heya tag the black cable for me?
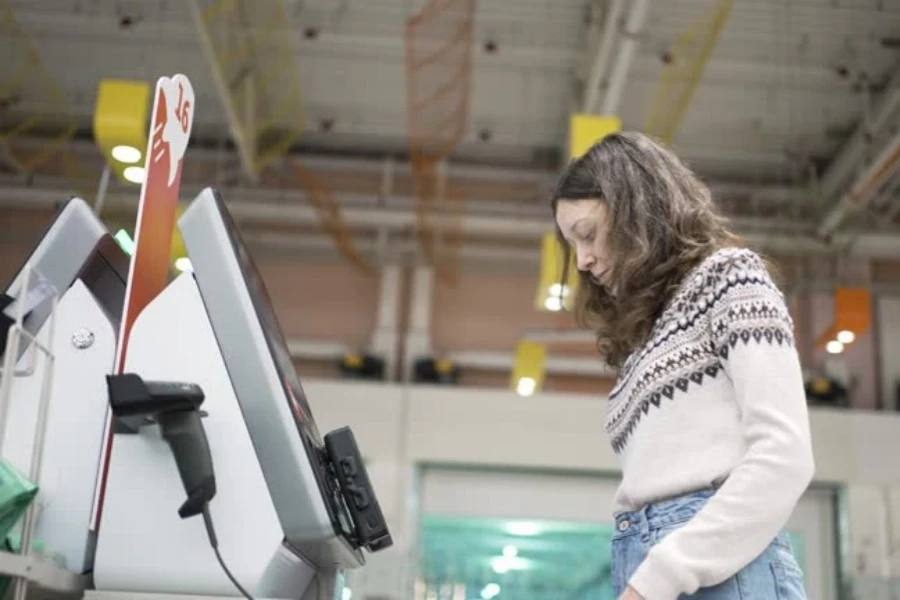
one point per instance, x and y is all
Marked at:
(214, 542)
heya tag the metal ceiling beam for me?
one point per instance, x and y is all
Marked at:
(290, 208)
(600, 63)
(839, 174)
(244, 145)
(864, 188)
(42, 194)
(8, 160)
(543, 179)
(857, 147)
(504, 219)
(625, 56)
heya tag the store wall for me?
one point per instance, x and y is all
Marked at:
(490, 309)
(400, 427)
(487, 310)
(888, 322)
(321, 300)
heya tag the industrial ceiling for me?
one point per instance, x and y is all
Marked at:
(792, 120)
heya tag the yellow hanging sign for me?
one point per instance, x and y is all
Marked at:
(554, 291)
(121, 117)
(585, 130)
(528, 369)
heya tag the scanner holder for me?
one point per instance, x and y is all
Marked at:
(175, 407)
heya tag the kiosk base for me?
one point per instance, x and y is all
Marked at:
(328, 585)
(97, 595)
(144, 548)
(140, 596)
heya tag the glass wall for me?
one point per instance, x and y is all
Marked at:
(463, 558)
(468, 558)
(494, 535)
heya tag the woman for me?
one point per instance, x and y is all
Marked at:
(708, 417)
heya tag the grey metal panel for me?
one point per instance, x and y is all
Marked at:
(60, 255)
(280, 424)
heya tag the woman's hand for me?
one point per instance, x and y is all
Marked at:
(630, 594)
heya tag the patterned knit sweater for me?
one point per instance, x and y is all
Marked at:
(715, 398)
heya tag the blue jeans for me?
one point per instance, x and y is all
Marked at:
(773, 575)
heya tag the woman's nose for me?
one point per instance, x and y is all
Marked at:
(585, 261)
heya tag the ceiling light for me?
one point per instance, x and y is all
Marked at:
(134, 174)
(504, 564)
(126, 154)
(553, 303)
(490, 590)
(526, 386)
(522, 528)
(558, 289)
(509, 551)
(183, 264)
(846, 336)
(834, 347)
(346, 594)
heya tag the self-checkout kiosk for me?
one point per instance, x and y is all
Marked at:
(219, 482)
(292, 509)
(60, 314)
(67, 299)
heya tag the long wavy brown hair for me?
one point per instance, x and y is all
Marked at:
(662, 223)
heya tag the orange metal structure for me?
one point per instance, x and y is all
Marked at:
(249, 45)
(319, 195)
(25, 80)
(439, 81)
(680, 77)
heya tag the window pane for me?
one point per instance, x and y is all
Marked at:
(465, 558)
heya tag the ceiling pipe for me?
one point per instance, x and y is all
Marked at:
(323, 350)
(558, 365)
(864, 188)
(625, 56)
(600, 64)
(291, 209)
(316, 349)
(866, 185)
(375, 166)
(874, 246)
(235, 125)
(560, 336)
(391, 252)
(361, 211)
(842, 167)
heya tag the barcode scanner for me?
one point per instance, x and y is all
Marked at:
(175, 407)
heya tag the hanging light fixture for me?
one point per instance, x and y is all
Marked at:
(529, 368)
(852, 319)
(121, 118)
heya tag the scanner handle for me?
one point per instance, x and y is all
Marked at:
(184, 432)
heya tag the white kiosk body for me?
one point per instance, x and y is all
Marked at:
(283, 528)
(78, 258)
(79, 264)
(144, 546)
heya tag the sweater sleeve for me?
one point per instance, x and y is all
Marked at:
(753, 334)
